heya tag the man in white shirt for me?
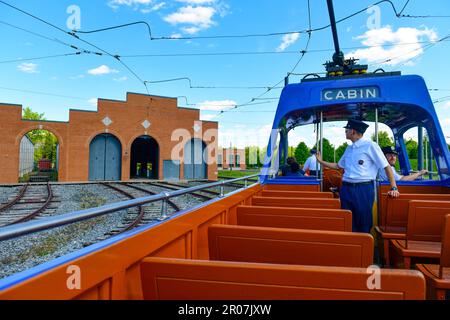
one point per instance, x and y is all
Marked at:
(311, 164)
(361, 162)
(391, 156)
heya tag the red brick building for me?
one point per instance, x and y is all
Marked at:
(231, 157)
(143, 137)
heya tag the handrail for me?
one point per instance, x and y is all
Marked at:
(21, 229)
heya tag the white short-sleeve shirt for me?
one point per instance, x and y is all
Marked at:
(362, 160)
(311, 164)
(383, 177)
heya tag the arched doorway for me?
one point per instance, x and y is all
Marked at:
(38, 156)
(195, 166)
(105, 158)
(144, 158)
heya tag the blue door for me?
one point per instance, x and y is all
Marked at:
(105, 155)
(195, 166)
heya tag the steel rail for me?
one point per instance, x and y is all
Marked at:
(16, 199)
(18, 230)
(37, 212)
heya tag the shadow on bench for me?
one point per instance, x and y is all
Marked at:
(290, 246)
(179, 279)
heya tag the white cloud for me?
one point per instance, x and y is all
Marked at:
(156, 7)
(288, 40)
(199, 18)
(197, 1)
(404, 45)
(207, 117)
(93, 102)
(28, 67)
(80, 76)
(121, 79)
(102, 70)
(243, 136)
(216, 105)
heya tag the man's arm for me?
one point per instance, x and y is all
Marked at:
(394, 191)
(414, 176)
(330, 165)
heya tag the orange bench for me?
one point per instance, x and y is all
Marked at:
(296, 194)
(181, 279)
(424, 231)
(296, 218)
(393, 217)
(290, 246)
(293, 187)
(438, 276)
(296, 203)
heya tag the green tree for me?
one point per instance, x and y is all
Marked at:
(340, 151)
(383, 139)
(44, 141)
(328, 151)
(412, 147)
(301, 152)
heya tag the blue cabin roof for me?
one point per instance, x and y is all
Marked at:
(403, 102)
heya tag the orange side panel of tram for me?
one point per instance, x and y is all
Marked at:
(290, 246)
(296, 194)
(298, 218)
(113, 272)
(297, 203)
(174, 279)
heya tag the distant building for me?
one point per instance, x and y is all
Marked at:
(26, 160)
(231, 157)
(142, 137)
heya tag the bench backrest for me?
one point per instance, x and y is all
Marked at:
(290, 246)
(296, 194)
(394, 211)
(426, 219)
(296, 203)
(180, 279)
(445, 251)
(293, 187)
(296, 218)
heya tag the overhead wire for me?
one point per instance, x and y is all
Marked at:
(397, 13)
(116, 57)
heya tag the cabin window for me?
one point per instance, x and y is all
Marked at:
(418, 158)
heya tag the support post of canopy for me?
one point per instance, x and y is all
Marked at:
(430, 158)
(376, 126)
(420, 149)
(321, 151)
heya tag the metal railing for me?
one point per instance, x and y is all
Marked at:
(22, 229)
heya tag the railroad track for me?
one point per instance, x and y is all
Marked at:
(204, 195)
(136, 216)
(31, 202)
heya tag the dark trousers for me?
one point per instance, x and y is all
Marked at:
(359, 200)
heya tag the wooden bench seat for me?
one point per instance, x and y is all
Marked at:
(297, 218)
(438, 275)
(290, 246)
(393, 217)
(296, 203)
(296, 194)
(424, 231)
(182, 279)
(293, 187)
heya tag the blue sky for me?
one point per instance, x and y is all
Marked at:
(76, 81)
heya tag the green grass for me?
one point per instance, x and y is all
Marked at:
(236, 174)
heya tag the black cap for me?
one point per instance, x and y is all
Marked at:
(313, 151)
(357, 125)
(389, 149)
